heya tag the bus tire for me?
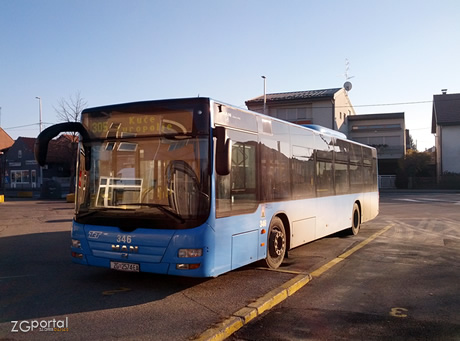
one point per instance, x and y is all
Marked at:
(355, 220)
(276, 244)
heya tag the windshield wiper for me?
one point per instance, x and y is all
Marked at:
(179, 137)
(163, 208)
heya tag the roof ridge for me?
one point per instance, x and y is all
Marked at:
(291, 92)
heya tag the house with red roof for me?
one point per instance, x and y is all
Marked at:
(5, 140)
(5, 143)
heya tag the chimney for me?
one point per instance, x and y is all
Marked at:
(444, 91)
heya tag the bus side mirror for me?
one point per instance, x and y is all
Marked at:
(223, 151)
(43, 139)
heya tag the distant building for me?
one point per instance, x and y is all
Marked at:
(23, 174)
(21, 169)
(446, 126)
(385, 132)
(328, 107)
(5, 143)
(332, 108)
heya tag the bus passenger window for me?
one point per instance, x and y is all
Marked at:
(342, 185)
(324, 179)
(303, 173)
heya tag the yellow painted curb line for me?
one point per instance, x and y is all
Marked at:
(224, 329)
(243, 316)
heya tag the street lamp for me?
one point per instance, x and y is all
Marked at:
(40, 123)
(40, 112)
(265, 94)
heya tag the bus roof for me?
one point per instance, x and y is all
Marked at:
(325, 130)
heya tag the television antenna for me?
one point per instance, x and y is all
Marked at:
(347, 68)
(347, 85)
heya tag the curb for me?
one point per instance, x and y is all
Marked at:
(243, 316)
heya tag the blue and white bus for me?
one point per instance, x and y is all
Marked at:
(196, 187)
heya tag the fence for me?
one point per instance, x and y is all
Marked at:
(387, 181)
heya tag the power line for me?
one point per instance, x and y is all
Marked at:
(388, 104)
(403, 103)
(28, 125)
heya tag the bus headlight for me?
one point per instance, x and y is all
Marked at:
(76, 243)
(190, 253)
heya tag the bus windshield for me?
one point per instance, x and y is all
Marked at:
(147, 170)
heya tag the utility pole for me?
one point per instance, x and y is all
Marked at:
(40, 124)
(265, 94)
(40, 112)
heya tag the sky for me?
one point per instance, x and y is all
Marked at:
(399, 53)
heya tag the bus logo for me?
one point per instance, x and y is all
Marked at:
(125, 248)
(94, 234)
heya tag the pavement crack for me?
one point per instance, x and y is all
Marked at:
(201, 304)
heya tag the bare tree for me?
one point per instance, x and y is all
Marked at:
(69, 110)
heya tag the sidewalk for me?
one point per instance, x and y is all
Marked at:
(416, 191)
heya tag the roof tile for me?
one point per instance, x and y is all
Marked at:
(284, 96)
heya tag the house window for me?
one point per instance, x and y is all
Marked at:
(19, 154)
(20, 176)
(302, 113)
(294, 114)
(281, 113)
(378, 127)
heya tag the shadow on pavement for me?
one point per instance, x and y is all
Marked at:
(38, 279)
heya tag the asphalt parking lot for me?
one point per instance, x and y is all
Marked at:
(403, 284)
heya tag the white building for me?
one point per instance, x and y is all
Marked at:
(332, 109)
(328, 107)
(385, 132)
(446, 126)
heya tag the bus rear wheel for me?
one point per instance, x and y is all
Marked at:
(276, 248)
(355, 220)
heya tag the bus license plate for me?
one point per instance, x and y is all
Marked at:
(130, 267)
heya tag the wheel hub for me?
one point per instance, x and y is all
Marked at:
(278, 243)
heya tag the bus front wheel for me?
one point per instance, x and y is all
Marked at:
(355, 220)
(276, 248)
